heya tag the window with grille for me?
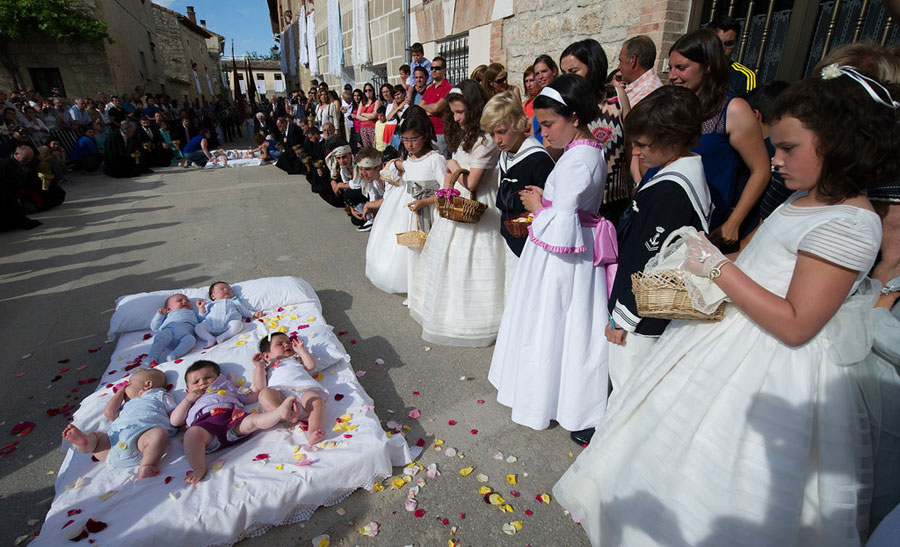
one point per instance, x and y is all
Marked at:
(378, 75)
(455, 51)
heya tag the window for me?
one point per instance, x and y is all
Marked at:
(378, 75)
(44, 79)
(456, 52)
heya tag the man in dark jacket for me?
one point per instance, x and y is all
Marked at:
(121, 158)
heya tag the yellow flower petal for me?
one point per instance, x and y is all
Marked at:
(293, 317)
(378, 487)
(217, 465)
(517, 524)
(279, 467)
(481, 477)
(282, 329)
(466, 470)
(484, 490)
(346, 417)
(322, 541)
(311, 319)
(544, 498)
(106, 496)
(296, 449)
(511, 479)
(398, 482)
(240, 343)
(221, 393)
(496, 499)
(437, 442)
(241, 382)
(507, 507)
(122, 445)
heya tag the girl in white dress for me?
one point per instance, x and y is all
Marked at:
(390, 266)
(464, 264)
(752, 431)
(550, 362)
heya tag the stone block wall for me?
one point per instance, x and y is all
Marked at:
(548, 26)
(83, 67)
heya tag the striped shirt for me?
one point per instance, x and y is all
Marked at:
(642, 87)
(743, 80)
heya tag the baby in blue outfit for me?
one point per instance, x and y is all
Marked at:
(173, 326)
(140, 427)
(223, 316)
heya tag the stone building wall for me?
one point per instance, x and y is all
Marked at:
(181, 43)
(82, 67)
(130, 56)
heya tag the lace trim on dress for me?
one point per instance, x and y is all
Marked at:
(586, 142)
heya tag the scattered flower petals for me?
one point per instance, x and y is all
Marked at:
(261, 457)
(20, 539)
(82, 367)
(432, 471)
(511, 459)
(338, 396)
(341, 333)
(512, 527)
(462, 516)
(445, 521)
(379, 361)
(322, 541)
(481, 477)
(398, 483)
(217, 464)
(450, 452)
(148, 336)
(498, 455)
(420, 442)
(22, 428)
(78, 483)
(452, 422)
(529, 512)
(341, 511)
(352, 341)
(474, 432)
(466, 471)
(106, 496)
(369, 530)
(415, 413)
(410, 504)
(511, 479)
(513, 493)
(72, 512)
(94, 526)
(360, 373)
(427, 348)
(239, 485)
(480, 401)
(543, 498)
(95, 350)
(66, 524)
(419, 513)
(27, 355)
(415, 392)
(167, 480)
(495, 499)
(484, 490)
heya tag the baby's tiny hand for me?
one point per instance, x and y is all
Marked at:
(194, 395)
(258, 314)
(259, 361)
(297, 344)
(161, 311)
(201, 302)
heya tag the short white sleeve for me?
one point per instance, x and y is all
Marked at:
(168, 402)
(849, 242)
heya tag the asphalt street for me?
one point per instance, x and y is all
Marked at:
(184, 228)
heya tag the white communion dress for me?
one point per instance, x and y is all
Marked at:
(422, 176)
(460, 301)
(727, 436)
(385, 259)
(550, 361)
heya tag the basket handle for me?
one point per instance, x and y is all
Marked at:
(684, 232)
(455, 177)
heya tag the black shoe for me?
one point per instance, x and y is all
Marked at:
(582, 437)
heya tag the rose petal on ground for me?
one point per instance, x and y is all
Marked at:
(63, 361)
(415, 413)
(415, 392)
(445, 521)
(352, 341)
(432, 471)
(511, 479)
(261, 457)
(450, 452)
(322, 541)
(379, 361)
(466, 471)
(82, 367)
(66, 524)
(451, 422)
(498, 455)
(528, 512)
(485, 490)
(420, 442)
(495, 499)
(481, 477)
(511, 459)
(410, 504)
(167, 480)
(509, 529)
(474, 432)
(360, 373)
(369, 530)
(543, 498)
(341, 333)
(480, 401)
(514, 493)
(419, 513)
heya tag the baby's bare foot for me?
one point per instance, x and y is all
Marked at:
(147, 471)
(289, 410)
(315, 436)
(195, 475)
(77, 437)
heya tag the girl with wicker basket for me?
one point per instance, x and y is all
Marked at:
(753, 430)
(550, 360)
(459, 298)
(408, 207)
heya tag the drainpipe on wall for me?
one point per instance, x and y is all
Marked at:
(405, 31)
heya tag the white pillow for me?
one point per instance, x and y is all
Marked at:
(320, 340)
(134, 311)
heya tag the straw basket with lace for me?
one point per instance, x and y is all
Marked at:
(414, 238)
(663, 294)
(458, 208)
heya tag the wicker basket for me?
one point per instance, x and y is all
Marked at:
(413, 238)
(459, 208)
(517, 229)
(663, 295)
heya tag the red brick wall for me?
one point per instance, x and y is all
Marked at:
(663, 21)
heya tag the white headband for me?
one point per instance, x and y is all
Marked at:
(342, 150)
(455, 90)
(553, 94)
(368, 163)
(833, 71)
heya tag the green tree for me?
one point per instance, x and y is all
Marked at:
(66, 20)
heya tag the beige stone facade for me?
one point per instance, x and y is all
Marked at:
(474, 32)
(150, 47)
(266, 75)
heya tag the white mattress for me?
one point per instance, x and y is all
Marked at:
(244, 497)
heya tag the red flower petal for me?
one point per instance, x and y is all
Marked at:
(66, 524)
(148, 336)
(64, 369)
(514, 493)
(262, 456)
(480, 401)
(112, 372)
(452, 422)
(8, 448)
(341, 333)
(338, 396)
(302, 327)
(415, 392)
(462, 516)
(347, 435)
(247, 320)
(22, 428)
(419, 513)
(95, 350)
(71, 512)
(178, 361)
(474, 432)
(55, 378)
(445, 522)
(81, 536)
(420, 442)
(352, 341)
(94, 526)
(167, 480)
(529, 512)
(63, 361)
(169, 387)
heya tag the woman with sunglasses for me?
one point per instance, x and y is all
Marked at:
(496, 80)
(367, 115)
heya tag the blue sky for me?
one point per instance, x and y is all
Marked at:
(247, 21)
